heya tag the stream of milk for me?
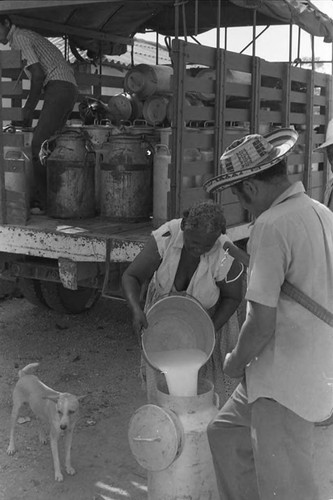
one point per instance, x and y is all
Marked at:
(180, 368)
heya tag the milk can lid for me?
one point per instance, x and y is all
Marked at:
(155, 437)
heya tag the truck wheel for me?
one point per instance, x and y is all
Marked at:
(61, 299)
(31, 289)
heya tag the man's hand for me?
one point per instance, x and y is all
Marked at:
(231, 368)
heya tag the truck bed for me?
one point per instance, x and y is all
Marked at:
(86, 240)
(79, 239)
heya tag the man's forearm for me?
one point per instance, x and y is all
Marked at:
(34, 95)
(256, 332)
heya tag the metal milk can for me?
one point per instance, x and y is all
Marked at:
(126, 178)
(161, 184)
(170, 441)
(70, 163)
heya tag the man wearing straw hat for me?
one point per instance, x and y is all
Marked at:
(328, 147)
(262, 439)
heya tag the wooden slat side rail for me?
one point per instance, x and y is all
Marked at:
(11, 89)
(238, 62)
(197, 54)
(10, 59)
(2, 170)
(84, 79)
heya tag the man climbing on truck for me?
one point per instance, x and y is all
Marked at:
(50, 75)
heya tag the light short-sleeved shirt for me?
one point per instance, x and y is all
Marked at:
(213, 266)
(293, 240)
(328, 194)
(37, 49)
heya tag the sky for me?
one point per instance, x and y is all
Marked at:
(273, 45)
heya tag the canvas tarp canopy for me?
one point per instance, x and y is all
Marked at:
(108, 26)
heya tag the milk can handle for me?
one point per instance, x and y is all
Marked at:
(164, 147)
(209, 123)
(21, 153)
(148, 440)
(44, 152)
(139, 122)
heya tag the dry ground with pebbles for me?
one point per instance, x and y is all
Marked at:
(96, 354)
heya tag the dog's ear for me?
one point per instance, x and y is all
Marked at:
(52, 397)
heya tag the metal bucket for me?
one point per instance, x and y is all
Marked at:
(126, 179)
(177, 322)
(70, 175)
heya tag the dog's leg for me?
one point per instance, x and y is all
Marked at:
(16, 407)
(68, 445)
(54, 437)
(41, 433)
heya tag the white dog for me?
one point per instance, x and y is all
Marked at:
(59, 410)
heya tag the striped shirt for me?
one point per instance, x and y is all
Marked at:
(37, 49)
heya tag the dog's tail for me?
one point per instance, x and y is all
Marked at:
(27, 369)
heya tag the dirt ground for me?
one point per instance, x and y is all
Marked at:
(94, 354)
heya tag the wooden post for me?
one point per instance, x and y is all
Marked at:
(179, 64)
(2, 164)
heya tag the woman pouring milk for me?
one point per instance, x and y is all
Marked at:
(187, 256)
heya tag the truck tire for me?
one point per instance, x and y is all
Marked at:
(63, 300)
(31, 290)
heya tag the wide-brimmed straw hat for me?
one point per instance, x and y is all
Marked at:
(250, 155)
(329, 136)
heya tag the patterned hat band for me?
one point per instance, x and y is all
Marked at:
(245, 153)
(251, 155)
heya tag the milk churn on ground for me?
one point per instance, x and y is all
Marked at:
(169, 438)
(170, 441)
(145, 80)
(126, 178)
(70, 163)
